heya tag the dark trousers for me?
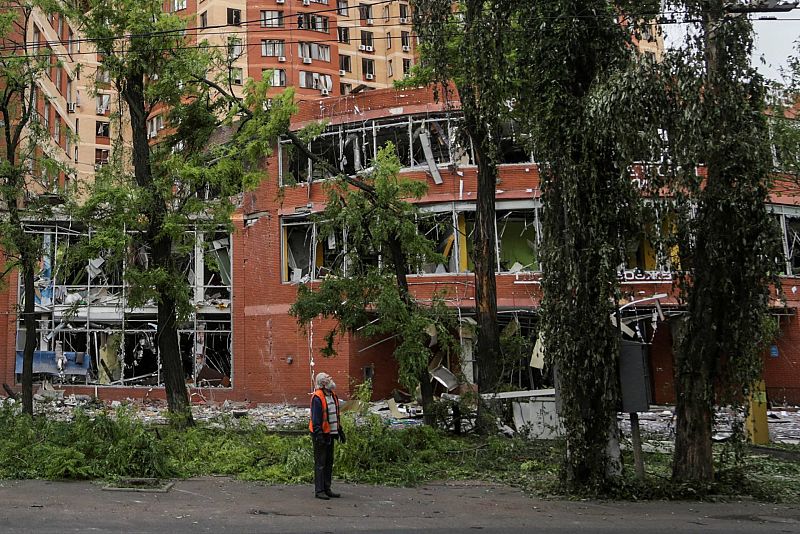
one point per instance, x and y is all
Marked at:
(323, 464)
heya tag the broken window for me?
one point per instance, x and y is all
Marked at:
(466, 235)
(295, 167)
(397, 133)
(326, 147)
(431, 140)
(438, 227)
(514, 145)
(518, 238)
(88, 333)
(792, 236)
(309, 256)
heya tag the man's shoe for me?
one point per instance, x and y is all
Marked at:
(322, 495)
(331, 494)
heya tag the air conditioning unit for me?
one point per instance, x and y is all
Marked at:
(306, 2)
(70, 107)
(101, 111)
(362, 47)
(406, 48)
(370, 76)
(341, 72)
(403, 20)
(324, 92)
(307, 60)
(279, 1)
(369, 49)
(370, 22)
(281, 59)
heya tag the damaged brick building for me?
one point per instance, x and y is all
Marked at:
(242, 344)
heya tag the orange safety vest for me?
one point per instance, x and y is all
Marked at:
(326, 427)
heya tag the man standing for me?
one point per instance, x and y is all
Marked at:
(325, 429)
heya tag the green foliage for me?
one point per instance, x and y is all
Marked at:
(108, 446)
(377, 216)
(562, 63)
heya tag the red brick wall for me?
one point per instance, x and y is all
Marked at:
(782, 374)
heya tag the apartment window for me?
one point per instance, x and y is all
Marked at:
(235, 48)
(272, 48)
(342, 8)
(345, 88)
(46, 116)
(366, 38)
(178, 5)
(405, 38)
(345, 63)
(204, 19)
(68, 95)
(58, 79)
(154, 125)
(388, 41)
(364, 11)
(102, 75)
(60, 28)
(406, 66)
(37, 36)
(389, 68)
(277, 77)
(314, 51)
(234, 17)
(70, 41)
(101, 156)
(102, 129)
(311, 21)
(386, 16)
(236, 76)
(314, 80)
(57, 130)
(272, 19)
(344, 34)
(404, 12)
(368, 67)
(67, 140)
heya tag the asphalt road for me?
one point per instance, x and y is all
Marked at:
(224, 505)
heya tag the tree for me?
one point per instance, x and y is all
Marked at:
(729, 248)
(216, 143)
(469, 46)
(27, 162)
(372, 297)
(567, 51)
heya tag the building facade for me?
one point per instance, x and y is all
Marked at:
(274, 249)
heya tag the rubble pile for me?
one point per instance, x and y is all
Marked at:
(659, 424)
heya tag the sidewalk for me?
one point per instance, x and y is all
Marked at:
(225, 505)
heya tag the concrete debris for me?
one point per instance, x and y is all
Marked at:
(659, 424)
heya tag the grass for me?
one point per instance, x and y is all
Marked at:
(115, 445)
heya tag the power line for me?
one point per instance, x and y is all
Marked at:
(48, 44)
(182, 31)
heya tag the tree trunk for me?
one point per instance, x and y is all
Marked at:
(161, 247)
(693, 460)
(401, 274)
(485, 260)
(168, 350)
(29, 320)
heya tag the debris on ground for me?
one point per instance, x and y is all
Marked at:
(657, 425)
